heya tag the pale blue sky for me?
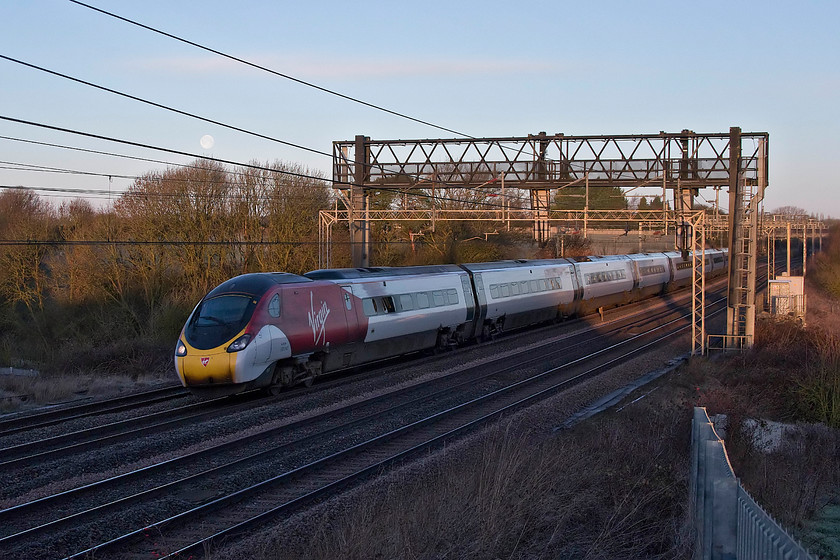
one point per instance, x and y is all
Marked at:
(483, 68)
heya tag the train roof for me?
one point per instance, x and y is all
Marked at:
(256, 283)
(518, 263)
(378, 272)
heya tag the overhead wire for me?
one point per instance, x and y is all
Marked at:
(269, 70)
(60, 243)
(16, 166)
(229, 162)
(124, 156)
(212, 121)
(274, 72)
(165, 107)
(383, 167)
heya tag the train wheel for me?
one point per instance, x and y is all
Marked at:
(486, 333)
(274, 390)
(443, 343)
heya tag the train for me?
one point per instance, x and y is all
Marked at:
(271, 330)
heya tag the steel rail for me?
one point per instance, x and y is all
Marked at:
(25, 421)
(15, 513)
(295, 503)
(19, 452)
(300, 471)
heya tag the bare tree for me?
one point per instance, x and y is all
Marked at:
(24, 217)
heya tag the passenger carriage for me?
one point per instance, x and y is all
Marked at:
(515, 294)
(408, 308)
(605, 282)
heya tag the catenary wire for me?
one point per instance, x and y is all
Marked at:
(82, 243)
(384, 167)
(113, 154)
(269, 70)
(229, 162)
(165, 107)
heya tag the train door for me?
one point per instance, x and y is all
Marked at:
(480, 297)
(577, 282)
(356, 327)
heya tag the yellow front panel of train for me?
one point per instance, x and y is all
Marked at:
(209, 367)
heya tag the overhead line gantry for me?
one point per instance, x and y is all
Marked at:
(683, 162)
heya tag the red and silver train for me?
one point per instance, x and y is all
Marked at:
(273, 330)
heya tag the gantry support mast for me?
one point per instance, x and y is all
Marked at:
(745, 196)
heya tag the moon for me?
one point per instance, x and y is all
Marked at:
(207, 141)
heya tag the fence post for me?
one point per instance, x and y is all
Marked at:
(721, 503)
(699, 424)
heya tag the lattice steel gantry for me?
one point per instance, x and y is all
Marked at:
(683, 162)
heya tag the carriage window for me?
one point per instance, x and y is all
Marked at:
(439, 298)
(274, 306)
(514, 289)
(535, 287)
(422, 300)
(369, 306)
(406, 303)
(505, 290)
(388, 304)
(452, 296)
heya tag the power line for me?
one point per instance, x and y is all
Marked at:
(113, 154)
(45, 169)
(98, 152)
(166, 107)
(229, 162)
(16, 166)
(83, 243)
(98, 193)
(383, 167)
(156, 148)
(254, 65)
(270, 71)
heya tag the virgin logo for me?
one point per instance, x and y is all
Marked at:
(205, 361)
(318, 321)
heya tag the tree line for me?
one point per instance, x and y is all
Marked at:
(82, 286)
(78, 276)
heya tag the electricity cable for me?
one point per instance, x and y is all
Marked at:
(269, 70)
(383, 167)
(229, 162)
(165, 107)
(113, 154)
(70, 242)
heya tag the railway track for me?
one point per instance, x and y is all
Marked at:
(398, 419)
(14, 423)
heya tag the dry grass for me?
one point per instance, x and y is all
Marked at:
(792, 375)
(520, 497)
(18, 392)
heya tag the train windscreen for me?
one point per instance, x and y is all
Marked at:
(219, 319)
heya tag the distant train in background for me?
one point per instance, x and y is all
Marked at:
(275, 330)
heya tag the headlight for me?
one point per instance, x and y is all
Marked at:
(180, 349)
(240, 343)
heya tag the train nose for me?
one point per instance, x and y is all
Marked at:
(208, 367)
